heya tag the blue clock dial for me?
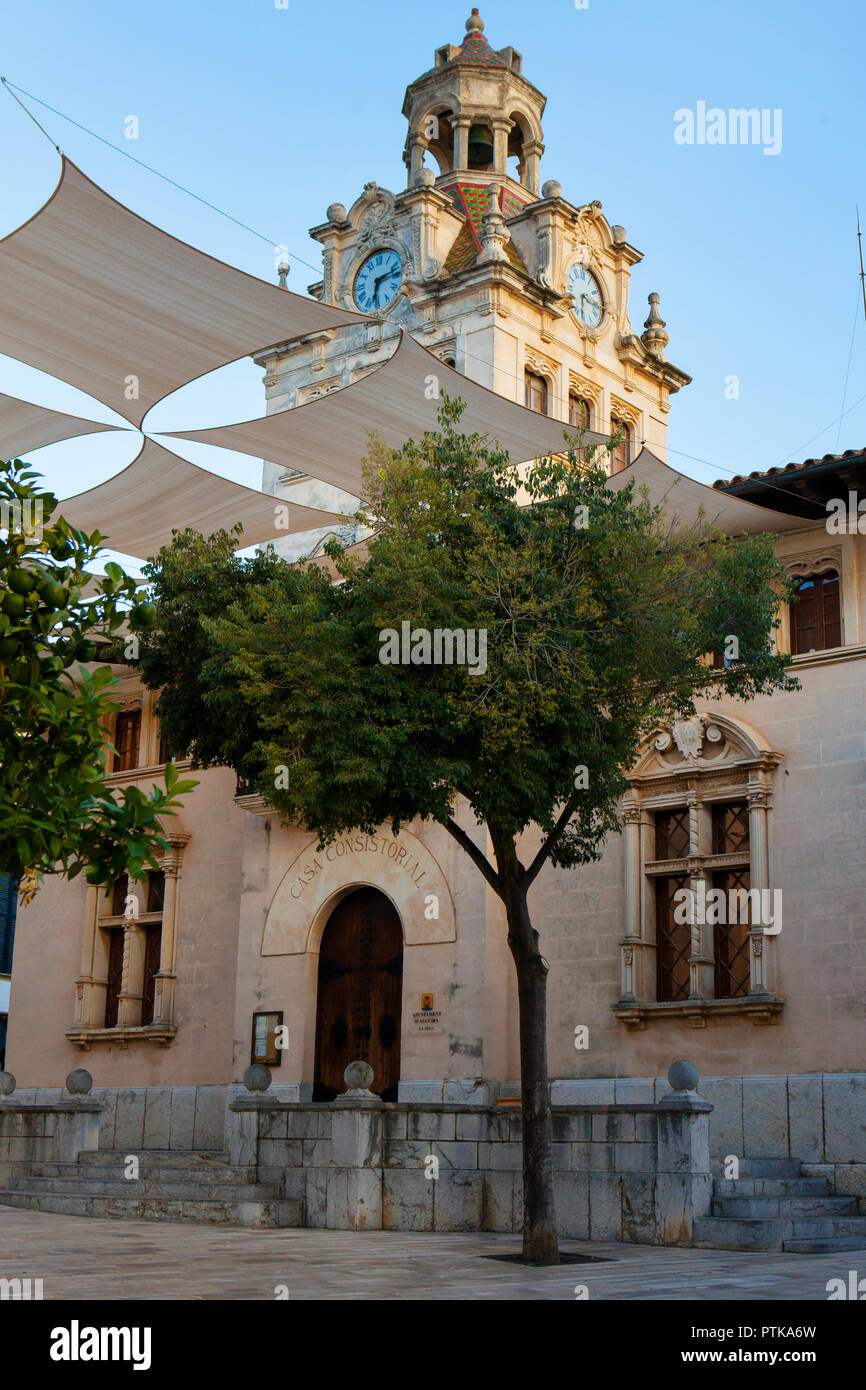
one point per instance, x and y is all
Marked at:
(588, 299)
(378, 281)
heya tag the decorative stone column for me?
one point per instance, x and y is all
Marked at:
(89, 993)
(532, 152)
(759, 877)
(166, 976)
(460, 126)
(502, 128)
(631, 844)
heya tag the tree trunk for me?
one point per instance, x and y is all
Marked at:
(539, 1215)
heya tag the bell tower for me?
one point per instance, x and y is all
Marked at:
(474, 112)
(495, 272)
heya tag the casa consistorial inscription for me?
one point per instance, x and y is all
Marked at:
(400, 866)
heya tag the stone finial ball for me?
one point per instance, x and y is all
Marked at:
(683, 1076)
(619, 235)
(424, 177)
(257, 1077)
(79, 1082)
(336, 214)
(358, 1076)
(7, 1083)
(551, 189)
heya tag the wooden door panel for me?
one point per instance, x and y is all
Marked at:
(359, 994)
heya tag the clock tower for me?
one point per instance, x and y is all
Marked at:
(492, 270)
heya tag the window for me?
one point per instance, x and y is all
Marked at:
(536, 393)
(729, 835)
(816, 621)
(673, 941)
(127, 735)
(115, 975)
(697, 876)
(622, 453)
(164, 754)
(578, 411)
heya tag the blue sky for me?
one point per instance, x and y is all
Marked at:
(272, 114)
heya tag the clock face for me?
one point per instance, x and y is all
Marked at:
(378, 281)
(588, 299)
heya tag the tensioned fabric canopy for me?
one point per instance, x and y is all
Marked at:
(328, 437)
(95, 295)
(24, 426)
(681, 498)
(159, 492)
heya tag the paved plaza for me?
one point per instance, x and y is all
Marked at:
(79, 1258)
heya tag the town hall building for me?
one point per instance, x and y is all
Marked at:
(254, 945)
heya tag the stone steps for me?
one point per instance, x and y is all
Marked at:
(804, 1235)
(217, 1177)
(760, 1168)
(772, 1187)
(779, 1204)
(177, 1189)
(172, 1186)
(745, 1207)
(207, 1211)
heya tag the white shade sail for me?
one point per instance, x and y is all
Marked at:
(159, 492)
(95, 295)
(327, 438)
(681, 498)
(24, 427)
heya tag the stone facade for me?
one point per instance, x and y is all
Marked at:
(243, 925)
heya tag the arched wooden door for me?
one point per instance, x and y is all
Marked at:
(360, 994)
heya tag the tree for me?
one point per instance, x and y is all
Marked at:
(56, 618)
(598, 617)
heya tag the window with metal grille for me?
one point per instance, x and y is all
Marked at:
(731, 936)
(673, 941)
(731, 828)
(115, 975)
(536, 393)
(152, 951)
(672, 833)
(816, 619)
(127, 735)
(8, 909)
(118, 896)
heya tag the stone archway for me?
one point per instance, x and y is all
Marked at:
(360, 994)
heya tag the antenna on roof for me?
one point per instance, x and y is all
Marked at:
(862, 272)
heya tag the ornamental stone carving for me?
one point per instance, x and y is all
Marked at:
(689, 736)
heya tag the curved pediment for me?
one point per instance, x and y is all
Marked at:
(702, 742)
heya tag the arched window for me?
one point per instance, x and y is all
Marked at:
(536, 392)
(622, 453)
(816, 619)
(578, 411)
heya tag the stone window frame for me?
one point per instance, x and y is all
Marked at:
(744, 770)
(800, 566)
(92, 984)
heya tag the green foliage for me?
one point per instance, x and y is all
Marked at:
(56, 813)
(595, 632)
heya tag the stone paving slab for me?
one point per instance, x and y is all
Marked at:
(80, 1258)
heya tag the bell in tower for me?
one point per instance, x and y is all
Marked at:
(474, 111)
